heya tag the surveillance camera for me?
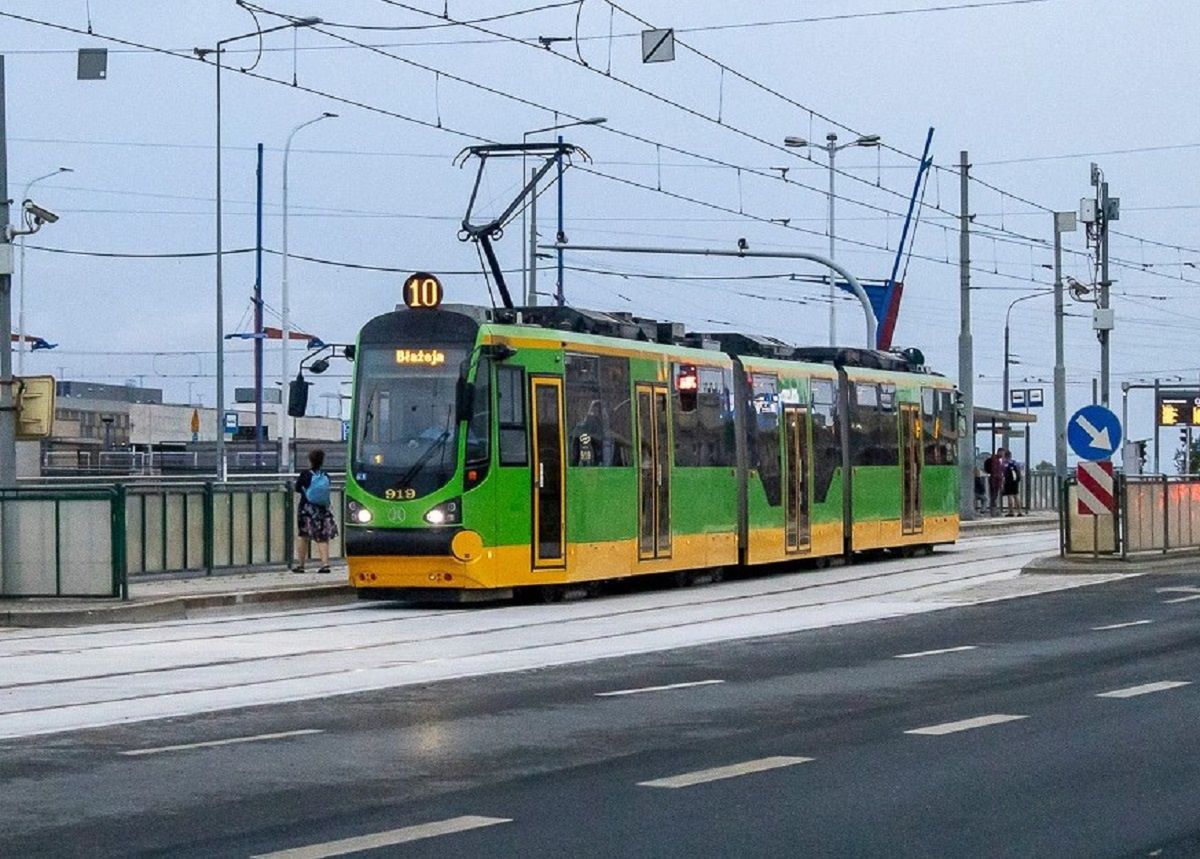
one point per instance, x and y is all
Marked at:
(40, 215)
(743, 244)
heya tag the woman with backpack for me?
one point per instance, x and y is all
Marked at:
(315, 519)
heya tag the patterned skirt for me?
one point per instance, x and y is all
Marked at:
(316, 523)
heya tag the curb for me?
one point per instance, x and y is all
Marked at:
(1055, 565)
(171, 608)
(989, 526)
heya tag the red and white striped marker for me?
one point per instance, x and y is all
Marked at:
(1095, 480)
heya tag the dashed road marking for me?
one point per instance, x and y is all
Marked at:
(1182, 599)
(934, 652)
(226, 742)
(718, 773)
(1125, 625)
(386, 839)
(965, 724)
(1144, 689)
(665, 688)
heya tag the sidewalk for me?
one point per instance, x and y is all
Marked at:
(159, 599)
(177, 598)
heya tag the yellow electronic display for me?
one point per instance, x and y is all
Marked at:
(422, 291)
(1168, 414)
(421, 357)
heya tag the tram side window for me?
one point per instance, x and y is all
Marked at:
(947, 430)
(764, 434)
(929, 426)
(827, 447)
(480, 425)
(873, 428)
(510, 413)
(598, 410)
(703, 416)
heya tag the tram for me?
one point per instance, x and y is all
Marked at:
(494, 450)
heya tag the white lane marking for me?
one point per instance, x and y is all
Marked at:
(1182, 599)
(227, 742)
(1183, 589)
(1121, 625)
(669, 686)
(1144, 689)
(965, 724)
(934, 652)
(718, 773)
(386, 839)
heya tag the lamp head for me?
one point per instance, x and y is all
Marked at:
(867, 140)
(795, 141)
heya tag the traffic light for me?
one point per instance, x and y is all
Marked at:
(35, 407)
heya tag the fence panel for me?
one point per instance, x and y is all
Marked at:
(56, 543)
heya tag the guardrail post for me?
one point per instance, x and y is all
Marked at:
(289, 524)
(209, 527)
(1166, 516)
(120, 560)
(1121, 526)
(1064, 526)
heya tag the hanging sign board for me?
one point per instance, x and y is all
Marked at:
(422, 291)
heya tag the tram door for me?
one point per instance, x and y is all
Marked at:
(654, 473)
(796, 452)
(549, 513)
(911, 449)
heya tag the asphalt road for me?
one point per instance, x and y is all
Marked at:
(854, 740)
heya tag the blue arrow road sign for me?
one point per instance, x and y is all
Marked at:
(1094, 433)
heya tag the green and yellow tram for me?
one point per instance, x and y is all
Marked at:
(499, 449)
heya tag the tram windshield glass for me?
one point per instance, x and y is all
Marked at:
(406, 426)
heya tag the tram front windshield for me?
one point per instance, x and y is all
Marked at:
(406, 429)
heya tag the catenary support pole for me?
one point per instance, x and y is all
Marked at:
(220, 394)
(1106, 334)
(258, 313)
(561, 238)
(1060, 370)
(966, 359)
(531, 297)
(832, 149)
(1157, 431)
(8, 415)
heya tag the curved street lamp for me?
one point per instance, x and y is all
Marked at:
(21, 283)
(285, 435)
(832, 148)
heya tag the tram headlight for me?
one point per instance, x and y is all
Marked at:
(446, 513)
(358, 512)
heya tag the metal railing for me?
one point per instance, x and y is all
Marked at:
(63, 542)
(90, 540)
(1156, 513)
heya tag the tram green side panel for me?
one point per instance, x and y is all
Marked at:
(509, 520)
(939, 487)
(601, 504)
(876, 492)
(703, 500)
(763, 515)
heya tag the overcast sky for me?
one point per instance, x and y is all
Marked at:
(1034, 90)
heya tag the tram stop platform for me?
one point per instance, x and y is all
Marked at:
(177, 598)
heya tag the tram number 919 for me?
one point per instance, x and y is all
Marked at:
(422, 291)
(400, 494)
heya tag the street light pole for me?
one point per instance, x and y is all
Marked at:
(220, 309)
(21, 283)
(285, 435)
(832, 148)
(1007, 358)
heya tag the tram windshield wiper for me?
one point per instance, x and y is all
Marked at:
(438, 443)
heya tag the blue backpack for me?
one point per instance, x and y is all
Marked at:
(318, 489)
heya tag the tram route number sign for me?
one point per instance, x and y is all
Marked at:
(422, 291)
(1095, 488)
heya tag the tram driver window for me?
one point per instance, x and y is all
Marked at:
(480, 424)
